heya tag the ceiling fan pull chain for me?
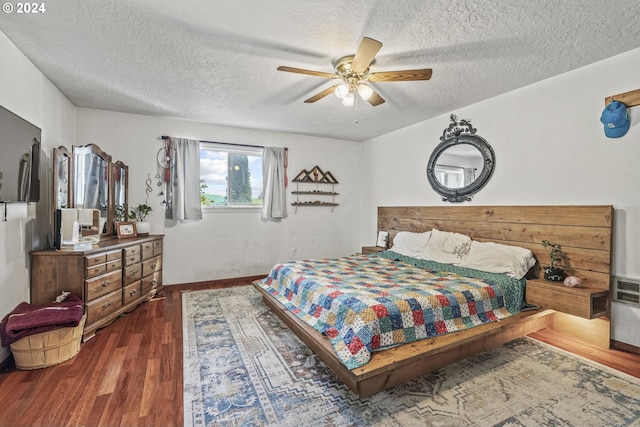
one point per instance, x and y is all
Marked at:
(355, 100)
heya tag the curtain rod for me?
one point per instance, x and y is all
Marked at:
(228, 143)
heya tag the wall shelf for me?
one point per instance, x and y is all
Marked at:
(319, 193)
(315, 176)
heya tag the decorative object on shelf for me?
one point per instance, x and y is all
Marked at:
(383, 239)
(314, 176)
(615, 120)
(551, 272)
(573, 282)
(453, 165)
(126, 229)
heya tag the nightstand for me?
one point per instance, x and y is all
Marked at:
(366, 250)
(588, 303)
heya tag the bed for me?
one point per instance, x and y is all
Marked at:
(415, 315)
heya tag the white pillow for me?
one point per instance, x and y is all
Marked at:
(446, 247)
(498, 258)
(410, 244)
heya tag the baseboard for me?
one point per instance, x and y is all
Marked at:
(628, 348)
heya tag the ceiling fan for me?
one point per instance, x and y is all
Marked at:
(354, 73)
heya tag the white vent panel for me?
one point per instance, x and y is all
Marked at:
(626, 290)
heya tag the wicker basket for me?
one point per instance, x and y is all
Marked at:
(48, 348)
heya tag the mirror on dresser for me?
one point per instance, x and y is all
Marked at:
(85, 179)
(92, 176)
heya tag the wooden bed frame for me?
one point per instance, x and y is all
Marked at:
(585, 233)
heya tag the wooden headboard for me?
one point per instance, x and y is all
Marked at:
(584, 232)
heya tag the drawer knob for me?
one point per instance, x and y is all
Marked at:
(132, 292)
(134, 272)
(106, 304)
(106, 283)
(153, 266)
(154, 281)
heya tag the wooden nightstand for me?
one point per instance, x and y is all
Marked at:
(366, 250)
(588, 303)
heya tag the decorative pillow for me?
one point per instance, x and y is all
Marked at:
(410, 244)
(446, 247)
(498, 258)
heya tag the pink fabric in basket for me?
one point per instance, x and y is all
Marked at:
(27, 319)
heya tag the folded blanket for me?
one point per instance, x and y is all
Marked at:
(27, 319)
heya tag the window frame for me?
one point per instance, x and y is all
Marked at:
(230, 148)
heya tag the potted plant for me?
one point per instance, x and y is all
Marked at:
(139, 215)
(551, 272)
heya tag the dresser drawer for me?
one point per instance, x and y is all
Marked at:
(104, 306)
(157, 247)
(132, 259)
(132, 292)
(152, 265)
(114, 255)
(151, 282)
(147, 250)
(132, 273)
(93, 260)
(96, 270)
(102, 285)
(113, 265)
(131, 250)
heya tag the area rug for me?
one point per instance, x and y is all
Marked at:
(244, 367)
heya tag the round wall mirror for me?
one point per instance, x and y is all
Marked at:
(460, 166)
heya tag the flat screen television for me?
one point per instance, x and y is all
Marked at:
(19, 159)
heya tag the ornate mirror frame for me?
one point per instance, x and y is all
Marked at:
(461, 132)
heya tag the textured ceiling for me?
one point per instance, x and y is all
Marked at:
(215, 61)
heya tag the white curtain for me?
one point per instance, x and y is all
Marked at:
(274, 196)
(469, 175)
(183, 182)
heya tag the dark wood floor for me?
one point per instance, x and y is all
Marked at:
(130, 374)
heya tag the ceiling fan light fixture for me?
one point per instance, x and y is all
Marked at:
(342, 90)
(364, 91)
(348, 99)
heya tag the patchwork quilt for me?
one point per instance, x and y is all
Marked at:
(370, 302)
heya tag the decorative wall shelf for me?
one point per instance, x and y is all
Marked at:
(314, 176)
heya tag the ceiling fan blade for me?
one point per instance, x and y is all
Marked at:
(322, 94)
(401, 76)
(367, 50)
(308, 72)
(375, 99)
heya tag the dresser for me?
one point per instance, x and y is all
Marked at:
(112, 278)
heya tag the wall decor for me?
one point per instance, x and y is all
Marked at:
(461, 164)
(314, 176)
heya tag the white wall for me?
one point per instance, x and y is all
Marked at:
(27, 93)
(233, 244)
(550, 149)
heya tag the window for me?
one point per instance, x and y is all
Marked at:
(230, 176)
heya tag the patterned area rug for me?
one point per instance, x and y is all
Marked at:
(244, 367)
